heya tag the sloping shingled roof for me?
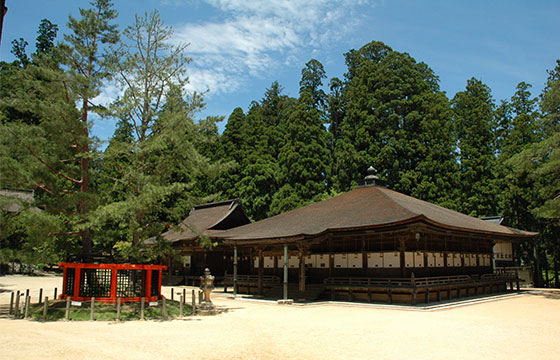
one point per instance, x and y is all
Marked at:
(366, 207)
(205, 217)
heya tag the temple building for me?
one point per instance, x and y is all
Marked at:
(370, 243)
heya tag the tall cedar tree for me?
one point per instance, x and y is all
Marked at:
(303, 158)
(474, 120)
(398, 121)
(254, 141)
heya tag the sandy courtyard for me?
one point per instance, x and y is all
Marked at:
(519, 327)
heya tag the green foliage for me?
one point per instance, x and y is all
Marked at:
(397, 120)
(473, 111)
(152, 166)
(106, 312)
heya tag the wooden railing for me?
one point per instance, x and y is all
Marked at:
(252, 279)
(397, 282)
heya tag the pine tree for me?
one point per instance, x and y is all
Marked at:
(155, 160)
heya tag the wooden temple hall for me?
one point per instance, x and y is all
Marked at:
(369, 244)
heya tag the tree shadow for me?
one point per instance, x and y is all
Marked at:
(553, 295)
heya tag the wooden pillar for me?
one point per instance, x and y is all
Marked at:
(401, 249)
(64, 281)
(234, 271)
(301, 270)
(261, 271)
(285, 292)
(77, 275)
(148, 283)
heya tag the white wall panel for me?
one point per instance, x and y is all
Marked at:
(293, 261)
(391, 260)
(355, 260)
(322, 261)
(340, 261)
(418, 259)
(268, 262)
(409, 259)
(375, 260)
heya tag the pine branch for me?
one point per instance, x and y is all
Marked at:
(44, 162)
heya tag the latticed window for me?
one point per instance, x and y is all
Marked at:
(95, 283)
(70, 277)
(155, 283)
(130, 283)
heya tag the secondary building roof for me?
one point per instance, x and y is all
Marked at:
(206, 217)
(364, 208)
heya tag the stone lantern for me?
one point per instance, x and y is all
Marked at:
(207, 285)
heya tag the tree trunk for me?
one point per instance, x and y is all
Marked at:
(84, 185)
(556, 275)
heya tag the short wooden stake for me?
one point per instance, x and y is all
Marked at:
(184, 295)
(16, 314)
(26, 294)
(27, 301)
(193, 298)
(40, 295)
(45, 306)
(163, 308)
(142, 307)
(92, 309)
(55, 289)
(67, 315)
(119, 309)
(11, 304)
(200, 294)
(172, 291)
(181, 306)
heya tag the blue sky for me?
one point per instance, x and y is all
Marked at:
(239, 47)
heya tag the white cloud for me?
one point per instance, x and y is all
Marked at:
(257, 37)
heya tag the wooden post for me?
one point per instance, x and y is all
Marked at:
(67, 314)
(27, 301)
(172, 291)
(261, 271)
(142, 307)
(193, 299)
(181, 306)
(40, 295)
(413, 284)
(16, 314)
(54, 297)
(45, 306)
(92, 309)
(119, 308)
(26, 294)
(301, 270)
(184, 296)
(200, 297)
(285, 290)
(234, 272)
(11, 303)
(163, 309)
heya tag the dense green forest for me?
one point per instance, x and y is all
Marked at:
(469, 153)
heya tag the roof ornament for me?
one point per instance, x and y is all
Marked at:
(371, 179)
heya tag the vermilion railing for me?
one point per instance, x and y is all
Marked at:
(107, 282)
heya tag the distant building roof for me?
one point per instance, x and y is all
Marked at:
(363, 208)
(206, 217)
(19, 196)
(498, 219)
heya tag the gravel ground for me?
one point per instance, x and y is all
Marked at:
(519, 327)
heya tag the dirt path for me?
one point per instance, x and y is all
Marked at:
(521, 327)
